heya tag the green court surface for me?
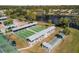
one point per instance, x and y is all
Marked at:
(37, 28)
(24, 33)
(5, 46)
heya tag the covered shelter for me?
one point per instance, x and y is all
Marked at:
(24, 26)
(41, 34)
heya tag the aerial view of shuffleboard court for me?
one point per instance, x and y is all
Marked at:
(28, 31)
(39, 29)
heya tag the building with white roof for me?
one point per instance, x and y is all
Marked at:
(54, 42)
(3, 18)
(24, 26)
(41, 35)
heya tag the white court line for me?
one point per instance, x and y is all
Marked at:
(31, 30)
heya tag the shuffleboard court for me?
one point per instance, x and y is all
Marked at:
(24, 33)
(37, 28)
(5, 46)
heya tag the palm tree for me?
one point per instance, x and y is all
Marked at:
(66, 22)
(50, 22)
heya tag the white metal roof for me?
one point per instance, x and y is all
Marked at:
(43, 32)
(3, 17)
(17, 28)
(53, 42)
(47, 45)
(12, 25)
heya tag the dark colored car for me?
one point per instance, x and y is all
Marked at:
(58, 36)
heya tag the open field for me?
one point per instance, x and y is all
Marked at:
(70, 44)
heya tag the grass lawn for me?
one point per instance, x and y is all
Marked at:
(71, 43)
